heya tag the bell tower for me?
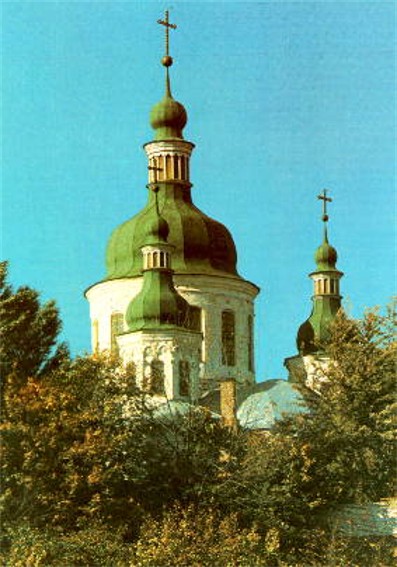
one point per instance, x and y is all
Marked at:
(314, 332)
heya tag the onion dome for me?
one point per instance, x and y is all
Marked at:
(158, 304)
(168, 117)
(325, 255)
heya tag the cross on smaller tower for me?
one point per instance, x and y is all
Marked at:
(155, 169)
(167, 59)
(323, 197)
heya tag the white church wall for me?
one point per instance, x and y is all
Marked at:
(212, 294)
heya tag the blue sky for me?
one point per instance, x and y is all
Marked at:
(283, 99)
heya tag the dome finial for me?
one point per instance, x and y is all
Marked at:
(168, 117)
(326, 254)
(323, 197)
(167, 59)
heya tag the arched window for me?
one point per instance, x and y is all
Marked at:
(228, 338)
(250, 343)
(116, 327)
(157, 377)
(184, 377)
(155, 259)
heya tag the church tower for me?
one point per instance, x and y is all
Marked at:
(217, 301)
(314, 332)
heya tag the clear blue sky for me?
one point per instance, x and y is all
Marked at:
(283, 98)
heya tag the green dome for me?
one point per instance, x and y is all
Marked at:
(168, 118)
(158, 304)
(315, 331)
(326, 257)
(157, 229)
(201, 244)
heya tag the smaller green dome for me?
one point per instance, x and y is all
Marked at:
(168, 118)
(326, 256)
(158, 304)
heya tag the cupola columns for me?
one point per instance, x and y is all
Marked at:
(169, 160)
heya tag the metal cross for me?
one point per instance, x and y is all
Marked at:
(323, 197)
(155, 169)
(167, 25)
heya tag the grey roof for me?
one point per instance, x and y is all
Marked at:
(277, 399)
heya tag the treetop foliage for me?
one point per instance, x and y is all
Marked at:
(28, 331)
(94, 475)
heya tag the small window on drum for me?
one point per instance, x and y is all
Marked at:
(157, 377)
(228, 338)
(250, 343)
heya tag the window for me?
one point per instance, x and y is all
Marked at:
(157, 377)
(184, 377)
(250, 344)
(228, 338)
(116, 327)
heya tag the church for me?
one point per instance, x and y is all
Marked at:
(173, 305)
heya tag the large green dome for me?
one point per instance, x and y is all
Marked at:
(202, 245)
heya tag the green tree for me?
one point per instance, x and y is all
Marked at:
(86, 452)
(341, 452)
(28, 332)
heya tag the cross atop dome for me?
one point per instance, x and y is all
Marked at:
(323, 197)
(167, 59)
